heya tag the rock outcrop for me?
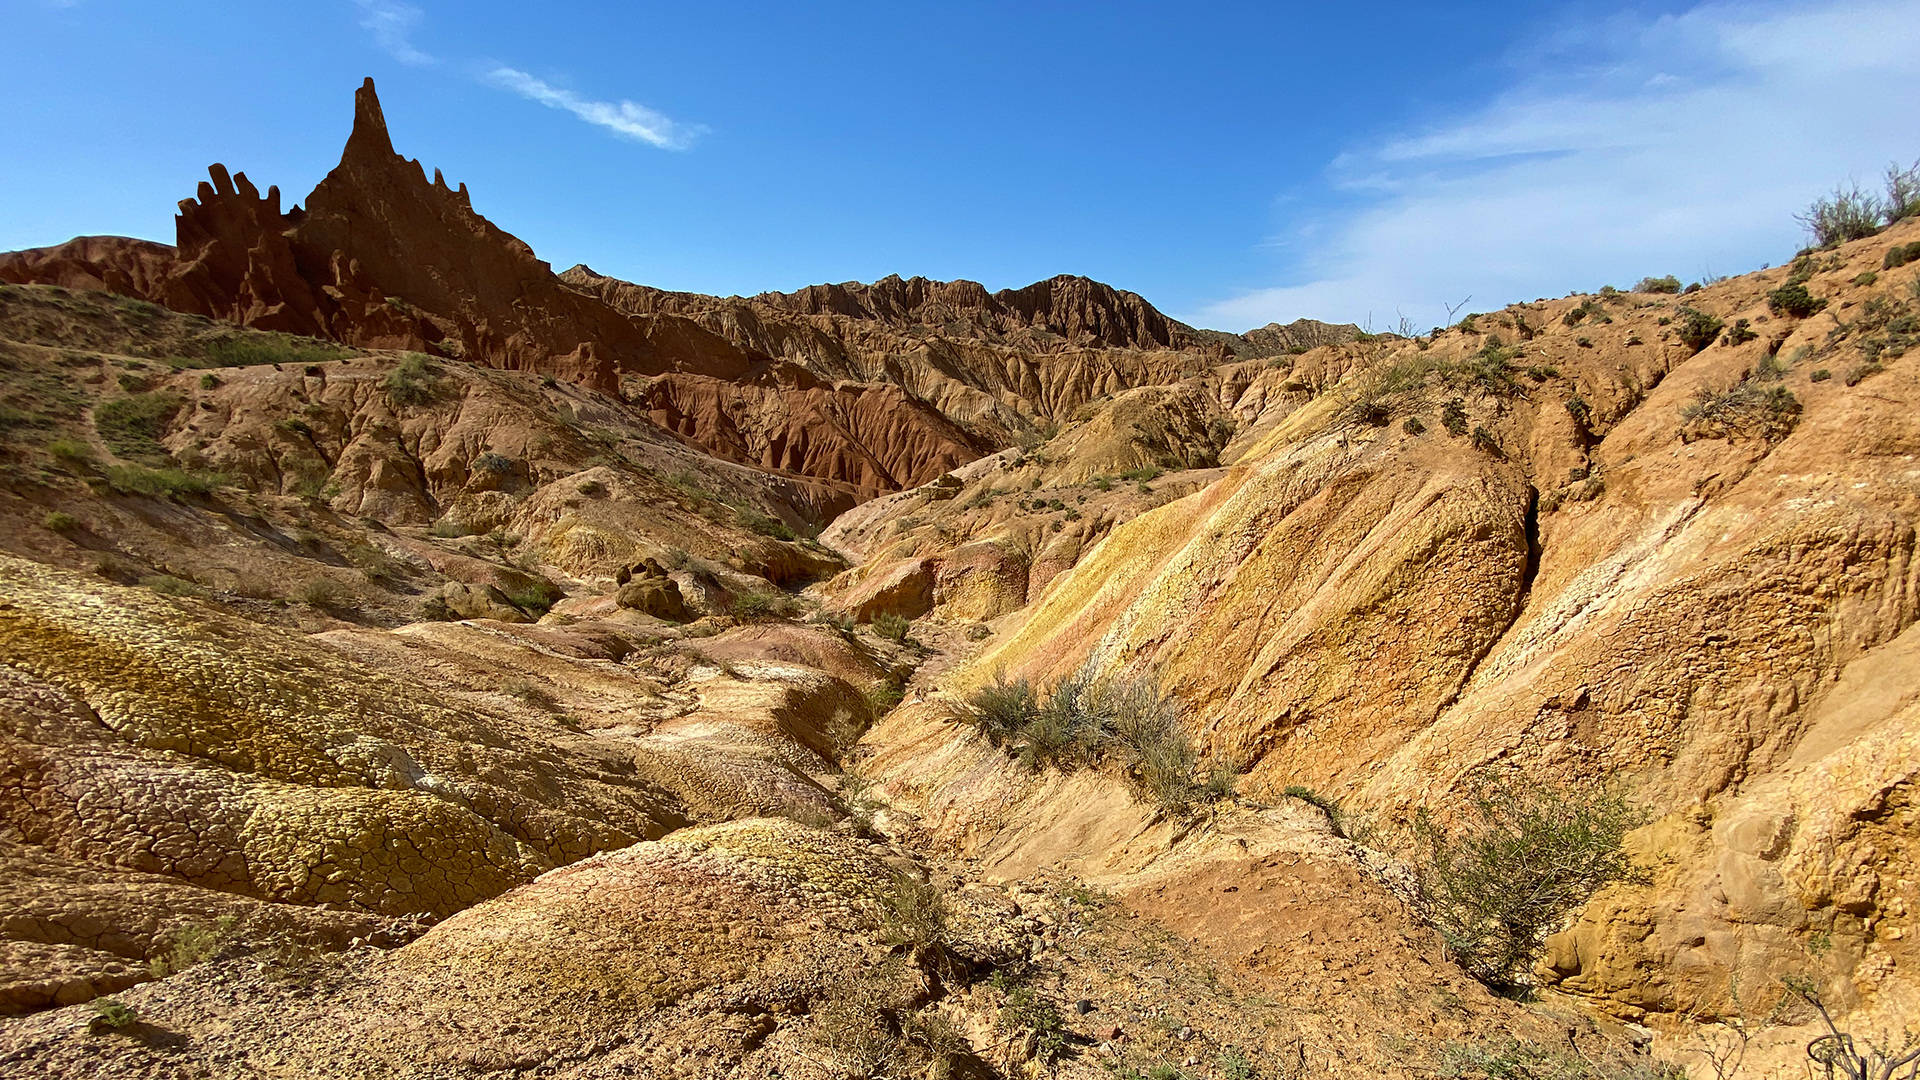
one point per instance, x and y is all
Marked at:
(1534, 556)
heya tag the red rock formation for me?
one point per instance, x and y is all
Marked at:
(876, 437)
(380, 257)
(117, 264)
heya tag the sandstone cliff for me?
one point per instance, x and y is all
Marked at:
(1659, 539)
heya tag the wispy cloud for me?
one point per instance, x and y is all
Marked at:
(1681, 145)
(392, 24)
(623, 118)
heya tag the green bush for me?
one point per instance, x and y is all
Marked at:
(255, 350)
(1513, 864)
(535, 598)
(1085, 719)
(1849, 213)
(1820, 375)
(1863, 371)
(110, 1014)
(60, 522)
(1025, 1013)
(891, 627)
(411, 381)
(1746, 408)
(1667, 284)
(1793, 299)
(1001, 709)
(1901, 255)
(321, 592)
(160, 483)
(70, 452)
(1741, 333)
(131, 426)
(914, 913)
(192, 944)
(1697, 329)
(1903, 193)
(753, 520)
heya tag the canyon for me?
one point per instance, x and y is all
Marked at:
(419, 662)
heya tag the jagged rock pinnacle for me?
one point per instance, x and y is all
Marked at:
(369, 125)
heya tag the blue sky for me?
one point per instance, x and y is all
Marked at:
(1234, 163)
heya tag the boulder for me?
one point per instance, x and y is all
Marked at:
(480, 602)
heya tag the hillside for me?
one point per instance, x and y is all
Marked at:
(421, 663)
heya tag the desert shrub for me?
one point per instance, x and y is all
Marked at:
(448, 528)
(1901, 255)
(1903, 193)
(70, 451)
(882, 698)
(1576, 316)
(1849, 1057)
(1863, 371)
(1511, 1059)
(1741, 333)
(1849, 213)
(870, 1031)
(754, 521)
(1793, 299)
(256, 350)
(1820, 375)
(160, 483)
(411, 381)
(493, 463)
(192, 944)
(763, 605)
(891, 627)
(1143, 474)
(536, 597)
(1745, 408)
(168, 585)
(1313, 798)
(913, 913)
(1025, 1014)
(110, 1014)
(531, 693)
(131, 426)
(1086, 719)
(374, 563)
(1453, 417)
(1002, 709)
(60, 522)
(1580, 411)
(1666, 284)
(320, 592)
(1413, 426)
(1697, 329)
(1514, 863)
(1867, 278)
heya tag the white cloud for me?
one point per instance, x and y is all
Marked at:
(1683, 145)
(623, 118)
(392, 24)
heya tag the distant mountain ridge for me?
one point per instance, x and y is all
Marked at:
(874, 387)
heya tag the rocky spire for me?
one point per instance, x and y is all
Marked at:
(369, 138)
